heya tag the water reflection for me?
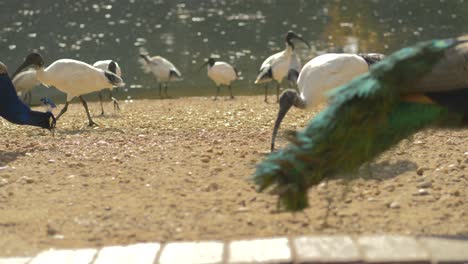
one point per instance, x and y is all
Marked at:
(241, 32)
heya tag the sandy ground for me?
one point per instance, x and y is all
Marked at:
(177, 169)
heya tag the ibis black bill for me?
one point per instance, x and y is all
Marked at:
(288, 99)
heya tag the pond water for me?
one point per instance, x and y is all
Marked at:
(241, 32)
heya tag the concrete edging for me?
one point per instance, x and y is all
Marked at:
(303, 249)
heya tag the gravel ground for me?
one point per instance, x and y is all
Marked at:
(177, 169)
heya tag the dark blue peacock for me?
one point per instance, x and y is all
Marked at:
(15, 111)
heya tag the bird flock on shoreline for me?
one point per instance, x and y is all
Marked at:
(374, 101)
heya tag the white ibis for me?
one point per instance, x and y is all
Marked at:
(320, 75)
(24, 82)
(15, 111)
(276, 67)
(72, 77)
(222, 73)
(163, 70)
(112, 66)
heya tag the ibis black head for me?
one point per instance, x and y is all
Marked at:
(291, 35)
(34, 59)
(210, 61)
(288, 99)
(112, 67)
(145, 57)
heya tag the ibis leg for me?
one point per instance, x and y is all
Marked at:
(64, 109)
(217, 92)
(116, 103)
(165, 90)
(266, 93)
(277, 91)
(160, 88)
(91, 122)
(230, 90)
(100, 100)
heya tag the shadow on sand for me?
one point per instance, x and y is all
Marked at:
(9, 156)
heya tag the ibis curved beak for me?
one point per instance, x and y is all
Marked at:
(285, 105)
(145, 57)
(302, 40)
(24, 65)
(203, 65)
(288, 99)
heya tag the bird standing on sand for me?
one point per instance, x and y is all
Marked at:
(112, 66)
(24, 82)
(72, 77)
(415, 87)
(277, 66)
(163, 70)
(15, 111)
(320, 75)
(222, 73)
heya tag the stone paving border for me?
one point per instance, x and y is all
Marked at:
(375, 249)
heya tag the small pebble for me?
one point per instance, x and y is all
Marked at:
(3, 182)
(242, 209)
(420, 171)
(425, 184)
(51, 231)
(394, 205)
(390, 188)
(26, 179)
(423, 192)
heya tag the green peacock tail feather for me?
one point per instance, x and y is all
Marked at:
(364, 118)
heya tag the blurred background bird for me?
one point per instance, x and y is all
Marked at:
(320, 75)
(162, 69)
(416, 87)
(222, 73)
(15, 111)
(24, 82)
(112, 66)
(276, 67)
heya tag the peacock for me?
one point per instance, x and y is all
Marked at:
(415, 87)
(15, 111)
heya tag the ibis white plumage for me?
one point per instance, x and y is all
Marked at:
(276, 67)
(72, 77)
(112, 66)
(320, 75)
(222, 73)
(24, 82)
(163, 70)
